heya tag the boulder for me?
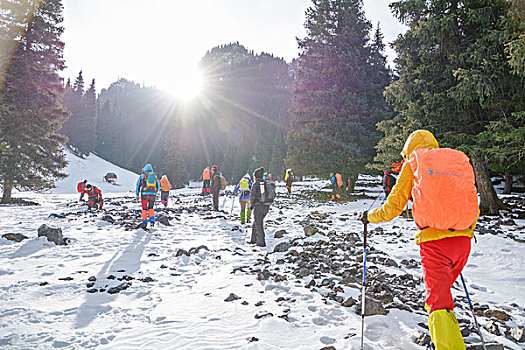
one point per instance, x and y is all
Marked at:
(349, 302)
(498, 314)
(15, 237)
(280, 234)
(108, 218)
(163, 219)
(119, 288)
(372, 307)
(281, 247)
(518, 334)
(232, 297)
(492, 327)
(310, 230)
(53, 234)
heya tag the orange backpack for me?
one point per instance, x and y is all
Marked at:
(444, 191)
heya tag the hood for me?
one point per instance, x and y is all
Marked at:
(164, 177)
(386, 172)
(147, 168)
(247, 176)
(417, 140)
(258, 173)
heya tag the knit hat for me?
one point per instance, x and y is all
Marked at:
(214, 168)
(258, 173)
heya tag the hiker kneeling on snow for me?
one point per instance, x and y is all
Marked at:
(95, 197)
(147, 187)
(441, 184)
(261, 197)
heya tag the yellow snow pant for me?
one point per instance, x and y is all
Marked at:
(245, 207)
(444, 330)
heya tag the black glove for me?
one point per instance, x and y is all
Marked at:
(364, 217)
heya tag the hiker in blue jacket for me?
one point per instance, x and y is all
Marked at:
(147, 187)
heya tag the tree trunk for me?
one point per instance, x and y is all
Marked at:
(351, 183)
(490, 204)
(6, 196)
(508, 182)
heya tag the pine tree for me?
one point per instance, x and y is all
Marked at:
(174, 163)
(30, 101)
(337, 99)
(454, 79)
(80, 128)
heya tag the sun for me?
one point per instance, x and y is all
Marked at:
(184, 82)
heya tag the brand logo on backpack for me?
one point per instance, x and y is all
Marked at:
(432, 172)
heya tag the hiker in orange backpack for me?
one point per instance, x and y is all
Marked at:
(95, 197)
(165, 188)
(81, 188)
(146, 191)
(206, 180)
(441, 184)
(336, 181)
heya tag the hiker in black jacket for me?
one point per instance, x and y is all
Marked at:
(259, 208)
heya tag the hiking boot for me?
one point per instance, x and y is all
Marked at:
(152, 223)
(143, 226)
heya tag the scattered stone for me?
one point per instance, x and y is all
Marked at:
(252, 339)
(111, 277)
(245, 303)
(92, 279)
(349, 302)
(372, 307)
(147, 279)
(423, 340)
(492, 327)
(498, 314)
(319, 215)
(280, 278)
(53, 234)
(310, 230)
(15, 237)
(262, 314)
(259, 303)
(330, 347)
(108, 218)
(90, 284)
(163, 219)
(119, 288)
(152, 254)
(66, 278)
(264, 275)
(280, 234)
(92, 290)
(518, 334)
(163, 266)
(232, 297)
(282, 247)
(182, 252)
(43, 284)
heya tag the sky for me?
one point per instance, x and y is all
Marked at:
(160, 42)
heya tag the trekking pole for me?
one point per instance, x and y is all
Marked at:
(364, 287)
(233, 202)
(472, 310)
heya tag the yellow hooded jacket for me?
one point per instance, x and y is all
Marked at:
(401, 193)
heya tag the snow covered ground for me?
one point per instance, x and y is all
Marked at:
(93, 169)
(45, 303)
